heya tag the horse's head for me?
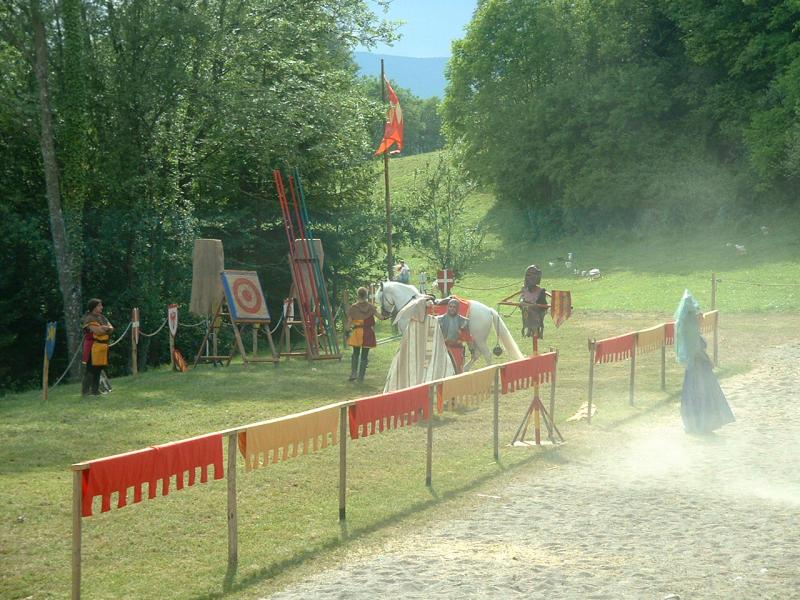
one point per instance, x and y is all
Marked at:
(386, 302)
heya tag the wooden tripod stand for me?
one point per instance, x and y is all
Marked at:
(223, 313)
(537, 410)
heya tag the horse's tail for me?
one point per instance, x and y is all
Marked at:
(505, 337)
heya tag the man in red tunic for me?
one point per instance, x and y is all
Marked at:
(361, 323)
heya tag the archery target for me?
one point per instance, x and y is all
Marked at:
(245, 297)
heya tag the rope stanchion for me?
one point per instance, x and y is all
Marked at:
(155, 332)
(120, 338)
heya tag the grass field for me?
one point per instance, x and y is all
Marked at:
(175, 546)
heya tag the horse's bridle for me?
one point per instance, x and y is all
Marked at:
(395, 310)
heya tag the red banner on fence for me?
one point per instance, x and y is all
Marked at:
(669, 333)
(115, 474)
(614, 349)
(521, 374)
(388, 411)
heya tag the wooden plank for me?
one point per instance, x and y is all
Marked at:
(663, 366)
(553, 400)
(591, 381)
(134, 344)
(343, 417)
(77, 502)
(429, 457)
(496, 415)
(233, 523)
(633, 373)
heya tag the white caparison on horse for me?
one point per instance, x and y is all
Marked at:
(393, 295)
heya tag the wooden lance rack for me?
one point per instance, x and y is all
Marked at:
(316, 322)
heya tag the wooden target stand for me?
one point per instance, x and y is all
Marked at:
(536, 408)
(242, 304)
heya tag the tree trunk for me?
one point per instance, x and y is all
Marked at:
(68, 280)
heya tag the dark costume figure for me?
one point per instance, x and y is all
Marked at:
(455, 329)
(361, 322)
(703, 404)
(532, 297)
(96, 331)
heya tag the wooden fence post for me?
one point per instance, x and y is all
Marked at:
(77, 508)
(233, 527)
(429, 462)
(633, 369)
(591, 381)
(135, 341)
(713, 291)
(716, 340)
(45, 375)
(343, 416)
(496, 415)
(553, 400)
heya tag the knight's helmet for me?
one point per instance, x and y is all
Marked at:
(533, 276)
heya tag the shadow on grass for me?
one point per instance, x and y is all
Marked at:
(347, 537)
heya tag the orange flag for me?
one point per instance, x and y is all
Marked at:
(393, 133)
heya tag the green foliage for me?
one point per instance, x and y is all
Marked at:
(433, 213)
(170, 117)
(583, 113)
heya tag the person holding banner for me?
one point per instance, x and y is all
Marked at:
(703, 404)
(96, 331)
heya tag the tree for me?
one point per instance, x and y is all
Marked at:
(436, 210)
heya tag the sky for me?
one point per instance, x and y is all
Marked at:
(431, 25)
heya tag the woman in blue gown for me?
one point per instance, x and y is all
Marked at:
(703, 404)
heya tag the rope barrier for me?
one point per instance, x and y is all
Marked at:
(193, 324)
(389, 339)
(120, 338)
(490, 289)
(77, 352)
(155, 332)
(758, 284)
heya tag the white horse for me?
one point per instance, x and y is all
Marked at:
(393, 295)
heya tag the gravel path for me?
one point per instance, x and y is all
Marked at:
(659, 514)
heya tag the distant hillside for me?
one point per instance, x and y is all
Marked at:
(423, 76)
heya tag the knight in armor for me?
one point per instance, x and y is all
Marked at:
(455, 329)
(533, 300)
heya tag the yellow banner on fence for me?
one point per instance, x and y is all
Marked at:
(467, 389)
(651, 339)
(708, 321)
(269, 442)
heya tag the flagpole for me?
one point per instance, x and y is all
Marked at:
(389, 257)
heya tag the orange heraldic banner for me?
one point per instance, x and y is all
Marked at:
(393, 132)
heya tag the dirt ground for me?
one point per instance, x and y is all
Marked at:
(658, 514)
